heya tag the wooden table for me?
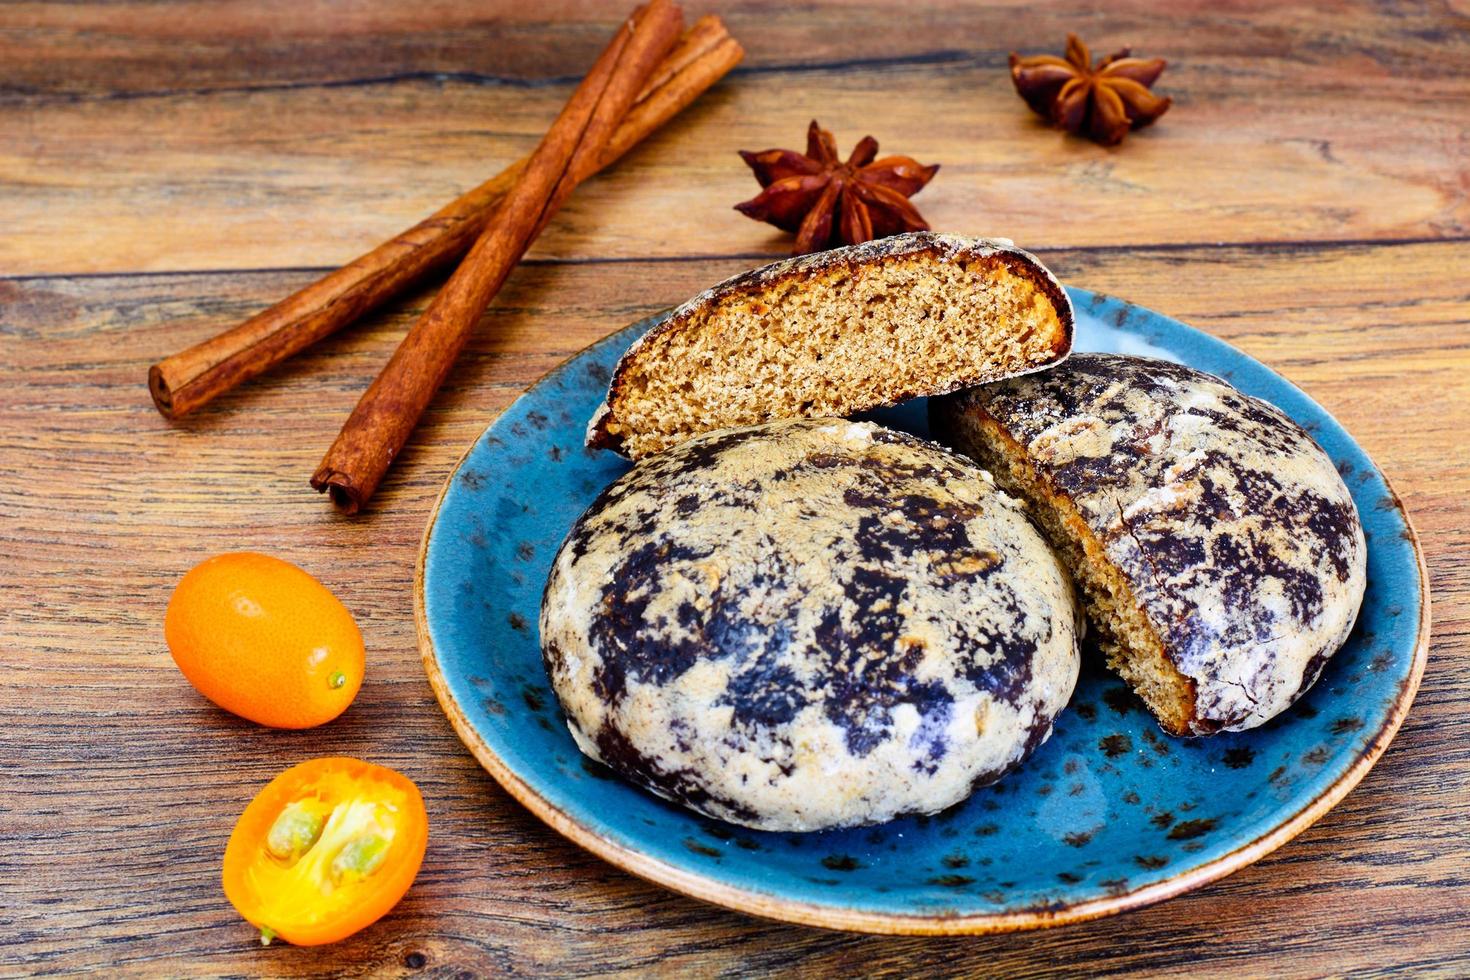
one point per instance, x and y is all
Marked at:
(168, 169)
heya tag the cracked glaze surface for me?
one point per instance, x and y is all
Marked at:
(1237, 533)
(809, 624)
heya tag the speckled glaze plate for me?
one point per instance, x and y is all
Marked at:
(1108, 815)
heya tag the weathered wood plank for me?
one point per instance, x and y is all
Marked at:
(169, 137)
(112, 49)
(121, 784)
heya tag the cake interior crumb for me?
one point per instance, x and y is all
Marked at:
(837, 341)
(1129, 642)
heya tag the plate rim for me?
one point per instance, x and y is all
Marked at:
(767, 906)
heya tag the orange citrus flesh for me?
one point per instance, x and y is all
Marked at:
(327, 848)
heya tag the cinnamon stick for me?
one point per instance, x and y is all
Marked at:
(390, 408)
(192, 378)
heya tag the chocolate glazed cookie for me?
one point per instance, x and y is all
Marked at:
(1216, 546)
(809, 624)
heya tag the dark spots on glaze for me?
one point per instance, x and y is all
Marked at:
(538, 421)
(598, 373)
(1115, 745)
(473, 480)
(1068, 878)
(519, 430)
(841, 862)
(1131, 798)
(1316, 757)
(987, 830)
(1162, 820)
(493, 706)
(1381, 662)
(698, 848)
(533, 698)
(1152, 862)
(949, 813)
(1304, 710)
(1115, 886)
(1155, 742)
(1240, 757)
(1120, 700)
(1190, 829)
(955, 861)
(518, 622)
(951, 881)
(1078, 838)
(525, 551)
(597, 770)
(746, 844)
(1087, 711)
(1344, 726)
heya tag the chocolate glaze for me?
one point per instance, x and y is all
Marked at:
(1236, 532)
(808, 624)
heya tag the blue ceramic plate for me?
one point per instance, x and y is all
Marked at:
(1108, 815)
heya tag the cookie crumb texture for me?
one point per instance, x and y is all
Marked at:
(1215, 545)
(809, 624)
(835, 333)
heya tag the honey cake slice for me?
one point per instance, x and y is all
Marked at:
(835, 333)
(1218, 552)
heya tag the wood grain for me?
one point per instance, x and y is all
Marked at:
(164, 172)
(129, 156)
(124, 783)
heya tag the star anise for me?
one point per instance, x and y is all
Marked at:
(1102, 101)
(867, 197)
